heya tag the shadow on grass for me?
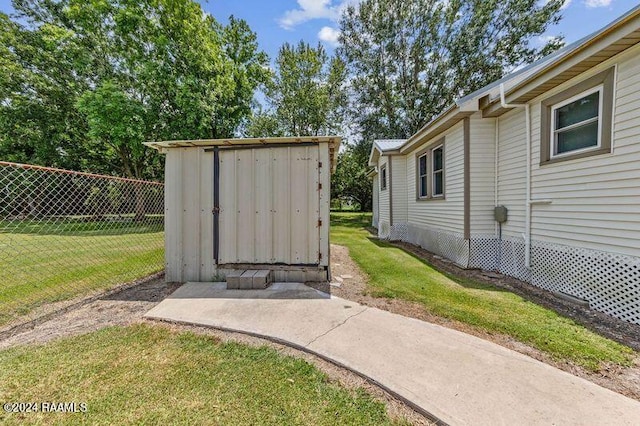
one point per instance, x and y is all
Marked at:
(81, 227)
(463, 281)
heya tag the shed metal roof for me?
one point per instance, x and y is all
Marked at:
(333, 141)
(388, 144)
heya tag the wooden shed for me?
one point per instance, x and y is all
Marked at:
(248, 204)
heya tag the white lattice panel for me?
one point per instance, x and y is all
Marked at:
(609, 281)
(383, 230)
(483, 252)
(446, 244)
(399, 232)
(511, 258)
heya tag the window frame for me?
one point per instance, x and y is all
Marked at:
(383, 177)
(434, 171)
(553, 145)
(604, 79)
(424, 155)
(427, 152)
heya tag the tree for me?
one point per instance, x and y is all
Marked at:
(306, 94)
(350, 180)
(102, 76)
(409, 59)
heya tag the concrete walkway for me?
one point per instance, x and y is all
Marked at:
(454, 377)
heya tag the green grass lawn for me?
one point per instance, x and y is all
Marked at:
(149, 375)
(48, 261)
(395, 273)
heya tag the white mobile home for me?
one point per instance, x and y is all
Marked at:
(555, 147)
(236, 204)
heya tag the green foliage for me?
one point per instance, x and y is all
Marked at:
(395, 273)
(350, 181)
(94, 79)
(306, 94)
(409, 59)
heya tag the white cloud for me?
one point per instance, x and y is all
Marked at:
(597, 3)
(309, 9)
(329, 35)
(314, 9)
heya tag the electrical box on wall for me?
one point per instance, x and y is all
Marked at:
(500, 214)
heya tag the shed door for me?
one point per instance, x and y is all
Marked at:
(269, 205)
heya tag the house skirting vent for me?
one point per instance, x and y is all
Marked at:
(610, 282)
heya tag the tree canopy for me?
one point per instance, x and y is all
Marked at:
(305, 95)
(93, 79)
(408, 59)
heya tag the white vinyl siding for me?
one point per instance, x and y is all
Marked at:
(376, 197)
(437, 172)
(399, 191)
(595, 200)
(512, 171)
(383, 196)
(445, 214)
(482, 174)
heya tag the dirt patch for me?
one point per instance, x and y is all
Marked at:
(350, 282)
(128, 304)
(122, 307)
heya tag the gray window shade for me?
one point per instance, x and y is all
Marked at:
(578, 111)
(577, 138)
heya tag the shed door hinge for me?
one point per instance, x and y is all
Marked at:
(319, 164)
(319, 255)
(319, 222)
(319, 185)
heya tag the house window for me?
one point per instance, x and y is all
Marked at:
(575, 123)
(437, 172)
(430, 172)
(422, 176)
(383, 177)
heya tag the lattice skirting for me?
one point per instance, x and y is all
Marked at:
(383, 230)
(609, 281)
(399, 231)
(451, 245)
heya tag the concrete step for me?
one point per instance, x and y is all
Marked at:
(248, 279)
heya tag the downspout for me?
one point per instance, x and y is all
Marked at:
(527, 220)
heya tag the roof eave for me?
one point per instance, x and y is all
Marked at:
(605, 44)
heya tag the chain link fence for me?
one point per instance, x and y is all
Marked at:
(67, 234)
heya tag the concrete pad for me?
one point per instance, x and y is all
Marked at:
(458, 378)
(287, 310)
(463, 379)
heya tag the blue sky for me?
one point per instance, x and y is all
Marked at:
(279, 21)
